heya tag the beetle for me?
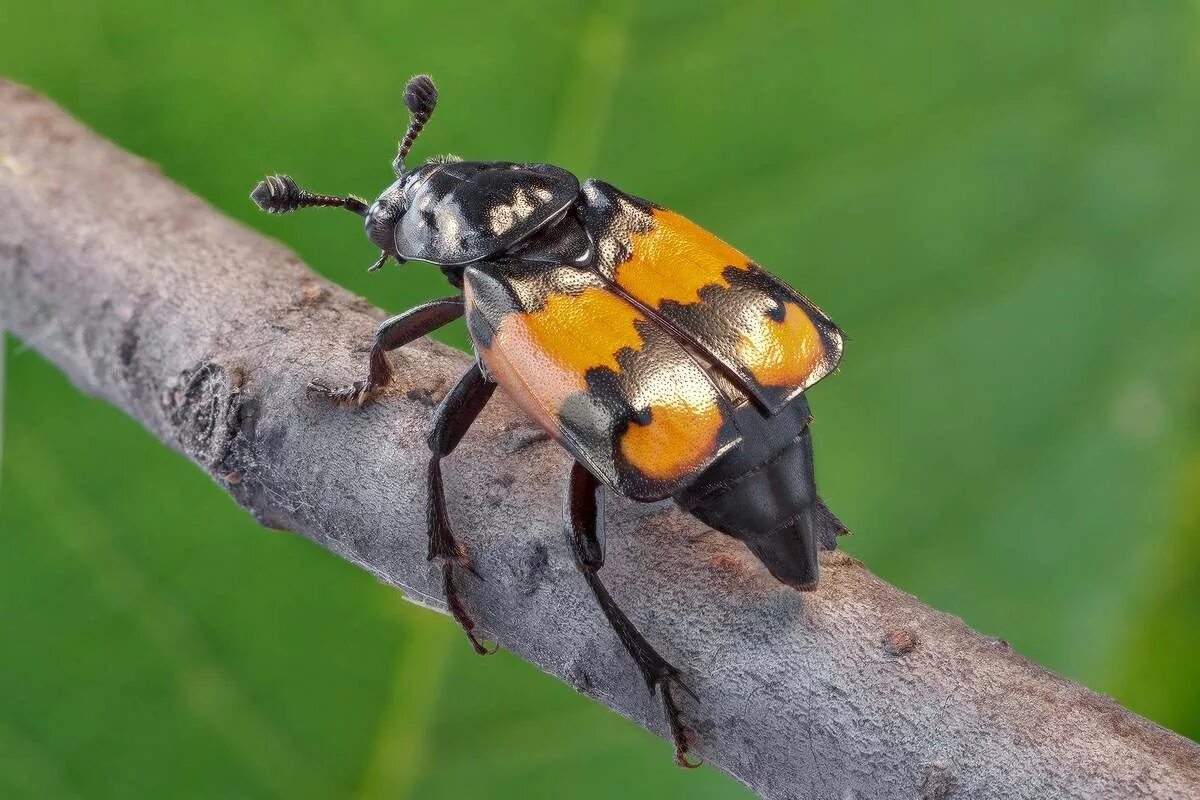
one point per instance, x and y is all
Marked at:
(667, 363)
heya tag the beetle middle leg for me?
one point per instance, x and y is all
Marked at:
(450, 422)
(583, 523)
(392, 333)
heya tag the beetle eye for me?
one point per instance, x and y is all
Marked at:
(383, 215)
(381, 224)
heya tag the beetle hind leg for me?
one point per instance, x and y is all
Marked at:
(392, 334)
(583, 524)
(450, 422)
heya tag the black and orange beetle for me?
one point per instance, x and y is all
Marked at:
(665, 361)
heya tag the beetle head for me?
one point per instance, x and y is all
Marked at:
(279, 194)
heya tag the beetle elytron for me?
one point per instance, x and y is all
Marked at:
(666, 362)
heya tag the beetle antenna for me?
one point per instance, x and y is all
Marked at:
(279, 194)
(420, 97)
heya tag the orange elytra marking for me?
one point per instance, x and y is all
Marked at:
(783, 353)
(676, 440)
(500, 368)
(675, 260)
(555, 347)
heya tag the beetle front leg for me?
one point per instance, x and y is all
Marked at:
(392, 333)
(450, 422)
(583, 523)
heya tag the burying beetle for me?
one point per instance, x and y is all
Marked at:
(665, 361)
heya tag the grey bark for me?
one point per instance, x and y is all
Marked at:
(206, 333)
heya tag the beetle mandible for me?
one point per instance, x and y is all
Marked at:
(663, 360)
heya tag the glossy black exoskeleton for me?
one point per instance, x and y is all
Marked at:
(666, 362)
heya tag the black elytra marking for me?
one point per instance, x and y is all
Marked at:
(593, 421)
(714, 323)
(717, 319)
(612, 217)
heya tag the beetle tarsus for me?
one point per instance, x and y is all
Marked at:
(459, 612)
(445, 548)
(681, 735)
(357, 394)
(660, 676)
(583, 524)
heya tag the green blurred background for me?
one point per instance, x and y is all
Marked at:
(998, 202)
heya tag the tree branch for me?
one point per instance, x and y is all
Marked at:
(206, 333)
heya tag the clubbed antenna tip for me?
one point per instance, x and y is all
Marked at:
(279, 194)
(420, 95)
(276, 194)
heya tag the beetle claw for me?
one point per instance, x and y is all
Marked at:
(458, 611)
(681, 735)
(358, 393)
(464, 562)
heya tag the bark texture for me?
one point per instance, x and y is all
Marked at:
(206, 333)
